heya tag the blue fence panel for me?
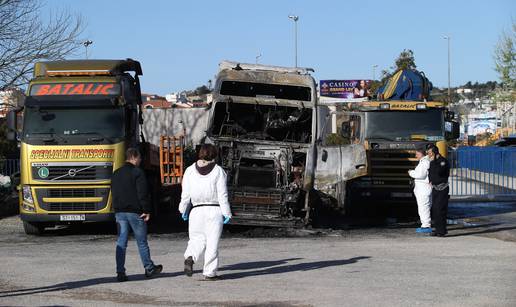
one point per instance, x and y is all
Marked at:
(483, 171)
(496, 160)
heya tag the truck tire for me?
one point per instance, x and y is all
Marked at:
(35, 229)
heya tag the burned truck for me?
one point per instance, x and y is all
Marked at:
(264, 120)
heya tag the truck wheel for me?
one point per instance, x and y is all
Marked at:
(33, 228)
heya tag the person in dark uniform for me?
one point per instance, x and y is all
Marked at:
(438, 174)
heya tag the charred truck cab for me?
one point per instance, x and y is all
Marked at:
(264, 120)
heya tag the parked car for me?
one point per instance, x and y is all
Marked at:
(506, 141)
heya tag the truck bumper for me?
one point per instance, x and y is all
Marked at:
(89, 217)
(262, 221)
(379, 195)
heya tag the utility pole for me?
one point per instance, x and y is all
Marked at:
(86, 44)
(448, 38)
(374, 72)
(295, 19)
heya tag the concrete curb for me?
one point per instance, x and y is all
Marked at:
(484, 198)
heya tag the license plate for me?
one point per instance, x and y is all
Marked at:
(401, 195)
(72, 217)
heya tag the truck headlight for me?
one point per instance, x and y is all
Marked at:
(27, 194)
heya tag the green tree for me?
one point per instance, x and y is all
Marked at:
(505, 58)
(505, 64)
(405, 60)
(26, 36)
(202, 90)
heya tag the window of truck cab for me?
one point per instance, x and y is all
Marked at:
(405, 125)
(73, 122)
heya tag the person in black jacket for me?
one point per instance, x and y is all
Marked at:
(132, 211)
(438, 174)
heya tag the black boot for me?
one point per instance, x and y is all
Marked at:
(154, 271)
(121, 277)
(189, 266)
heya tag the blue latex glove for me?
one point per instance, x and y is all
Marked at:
(185, 216)
(226, 219)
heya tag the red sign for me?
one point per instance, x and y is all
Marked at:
(94, 88)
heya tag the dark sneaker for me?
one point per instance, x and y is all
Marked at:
(189, 266)
(436, 234)
(121, 277)
(212, 278)
(154, 271)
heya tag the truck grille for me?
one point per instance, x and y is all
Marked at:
(94, 171)
(71, 206)
(389, 173)
(71, 193)
(391, 163)
(255, 202)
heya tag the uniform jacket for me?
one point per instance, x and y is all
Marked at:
(439, 171)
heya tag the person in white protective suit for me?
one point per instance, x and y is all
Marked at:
(422, 190)
(204, 204)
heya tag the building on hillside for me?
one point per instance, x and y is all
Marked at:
(176, 98)
(10, 98)
(151, 101)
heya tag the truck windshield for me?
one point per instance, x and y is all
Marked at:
(262, 122)
(403, 125)
(61, 124)
(278, 91)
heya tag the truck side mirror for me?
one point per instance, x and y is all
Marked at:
(452, 130)
(11, 125)
(455, 130)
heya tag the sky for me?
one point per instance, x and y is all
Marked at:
(180, 43)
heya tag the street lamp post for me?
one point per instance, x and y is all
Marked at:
(86, 44)
(295, 19)
(448, 38)
(374, 71)
(257, 57)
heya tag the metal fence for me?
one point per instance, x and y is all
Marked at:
(9, 167)
(483, 172)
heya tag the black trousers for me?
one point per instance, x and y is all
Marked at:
(440, 209)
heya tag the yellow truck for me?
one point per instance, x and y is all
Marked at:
(79, 116)
(391, 131)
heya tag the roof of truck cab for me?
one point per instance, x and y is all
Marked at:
(113, 67)
(229, 65)
(255, 73)
(40, 80)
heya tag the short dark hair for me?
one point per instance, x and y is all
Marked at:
(207, 152)
(433, 148)
(132, 153)
(421, 150)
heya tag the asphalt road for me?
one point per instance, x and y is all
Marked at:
(362, 266)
